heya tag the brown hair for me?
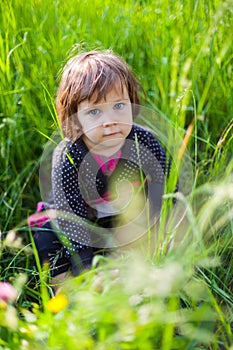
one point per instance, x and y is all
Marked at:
(91, 75)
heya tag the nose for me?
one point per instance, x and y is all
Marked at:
(107, 124)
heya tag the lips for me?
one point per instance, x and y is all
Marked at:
(112, 134)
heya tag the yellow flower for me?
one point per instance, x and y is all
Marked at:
(57, 303)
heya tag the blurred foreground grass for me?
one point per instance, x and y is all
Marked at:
(181, 296)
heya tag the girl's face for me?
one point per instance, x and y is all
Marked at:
(106, 125)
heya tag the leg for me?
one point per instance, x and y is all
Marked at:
(50, 250)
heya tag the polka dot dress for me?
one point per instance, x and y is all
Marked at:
(78, 181)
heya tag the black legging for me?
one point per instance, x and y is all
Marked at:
(51, 250)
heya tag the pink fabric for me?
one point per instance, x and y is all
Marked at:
(102, 199)
(35, 221)
(40, 206)
(110, 164)
(100, 161)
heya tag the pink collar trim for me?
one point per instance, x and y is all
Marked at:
(108, 165)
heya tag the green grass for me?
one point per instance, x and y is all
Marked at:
(180, 297)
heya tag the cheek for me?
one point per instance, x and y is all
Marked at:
(92, 131)
(128, 120)
(126, 129)
(87, 126)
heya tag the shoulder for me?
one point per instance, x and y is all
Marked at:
(67, 151)
(141, 132)
(59, 152)
(146, 137)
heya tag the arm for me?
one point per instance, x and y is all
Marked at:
(71, 210)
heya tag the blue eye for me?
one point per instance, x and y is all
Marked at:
(119, 105)
(94, 111)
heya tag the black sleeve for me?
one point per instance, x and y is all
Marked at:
(161, 155)
(71, 209)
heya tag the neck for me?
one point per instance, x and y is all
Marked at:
(107, 151)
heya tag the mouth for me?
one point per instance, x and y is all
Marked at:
(117, 133)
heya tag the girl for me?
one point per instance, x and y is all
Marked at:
(107, 174)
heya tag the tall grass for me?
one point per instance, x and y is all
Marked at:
(182, 53)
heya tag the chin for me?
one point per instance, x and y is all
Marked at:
(112, 142)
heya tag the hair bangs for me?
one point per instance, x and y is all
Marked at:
(99, 81)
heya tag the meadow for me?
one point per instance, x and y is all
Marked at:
(180, 296)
